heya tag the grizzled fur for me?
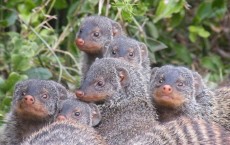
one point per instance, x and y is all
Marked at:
(78, 111)
(183, 131)
(187, 96)
(131, 50)
(128, 116)
(26, 117)
(95, 32)
(65, 133)
(221, 107)
(127, 108)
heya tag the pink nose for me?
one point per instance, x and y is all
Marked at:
(29, 99)
(79, 42)
(79, 93)
(167, 89)
(61, 117)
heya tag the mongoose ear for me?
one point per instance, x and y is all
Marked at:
(144, 50)
(153, 72)
(124, 77)
(96, 115)
(198, 83)
(116, 28)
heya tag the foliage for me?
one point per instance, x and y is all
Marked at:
(37, 37)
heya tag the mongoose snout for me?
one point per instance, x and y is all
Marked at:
(28, 99)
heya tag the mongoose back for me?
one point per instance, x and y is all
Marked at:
(93, 34)
(176, 91)
(78, 111)
(65, 133)
(221, 106)
(35, 104)
(128, 115)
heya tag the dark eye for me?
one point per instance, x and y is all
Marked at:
(80, 31)
(180, 84)
(161, 80)
(131, 54)
(23, 93)
(45, 96)
(100, 83)
(77, 113)
(114, 52)
(96, 34)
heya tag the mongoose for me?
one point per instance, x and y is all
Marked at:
(128, 115)
(78, 111)
(65, 133)
(177, 91)
(221, 106)
(94, 33)
(35, 104)
(131, 50)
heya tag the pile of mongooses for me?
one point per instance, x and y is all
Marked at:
(168, 105)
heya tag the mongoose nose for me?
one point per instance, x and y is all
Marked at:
(79, 93)
(167, 89)
(79, 42)
(29, 99)
(61, 117)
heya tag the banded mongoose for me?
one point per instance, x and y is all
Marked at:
(221, 107)
(130, 50)
(128, 114)
(65, 133)
(94, 33)
(177, 91)
(78, 111)
(34, 105)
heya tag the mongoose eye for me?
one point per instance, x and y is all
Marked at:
(23, 93)
(80, 31)
(45, 96)
(77, 113)
(131, 54)
(100, 83)
(114, 52)
(161, 80)
(96, 34)
(180, 84)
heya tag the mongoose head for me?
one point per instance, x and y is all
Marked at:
(174, 86)
(109, 80)
(127, 48)
(37, 99)
(79, 111)
(95, 32)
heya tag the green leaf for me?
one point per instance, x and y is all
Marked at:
(11, 81)
(166, 8)
(154, 45)
(212, 63)
(20, 62)
(60, 4)
(151, 30)
(204, 10)
(11, 18)
(39, 73)
(197, 30)
(182, 53)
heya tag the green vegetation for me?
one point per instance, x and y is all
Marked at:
(37, 38)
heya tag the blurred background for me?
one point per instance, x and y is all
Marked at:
(37, 37)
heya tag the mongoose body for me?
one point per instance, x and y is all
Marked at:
(78, 111)
(131, 50)
(65, 133)
(221, 107)
(94, 33)
(176, 91)
(34, 105)
(128, 115)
